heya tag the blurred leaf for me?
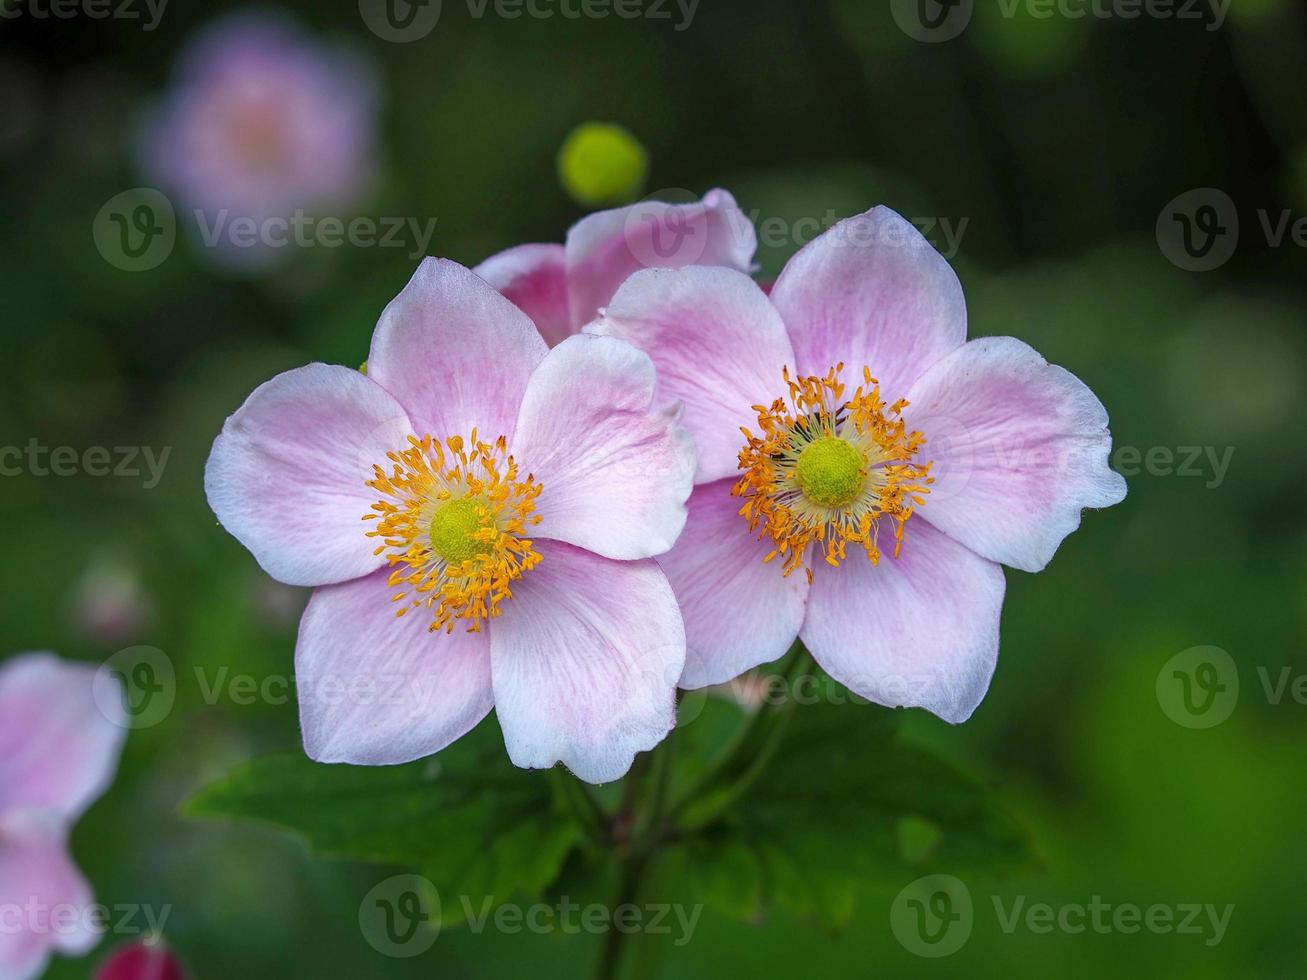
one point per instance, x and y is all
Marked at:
(468, 820)
(825, 819)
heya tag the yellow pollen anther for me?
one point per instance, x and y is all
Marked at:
(452, 522)
(827, 469)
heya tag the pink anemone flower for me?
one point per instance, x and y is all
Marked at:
(261, 123)
(864, 470)
(59, 748)
(563, 287)
(479, 515)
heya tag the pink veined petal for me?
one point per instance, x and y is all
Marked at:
(872, 292)
(615, 472)
(43, 895)
(287, 475)
(534, 279)
(738, 612)
(58, 748)
(455, 353)
(917, 631)
(718, 345)
(585, 661)
(1020, 448)
(607, 247)
(376, 689)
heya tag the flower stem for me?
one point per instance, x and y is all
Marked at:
(581, 804)
(641, 824)
(748, 754)
(609, 964)
(644, 825)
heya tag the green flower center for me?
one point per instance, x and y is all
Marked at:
(454, 527)
(830, 472)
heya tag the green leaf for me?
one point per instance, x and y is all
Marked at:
(843, 803)
(467, 819)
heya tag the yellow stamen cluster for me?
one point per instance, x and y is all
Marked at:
(453, 519)
(827, 469)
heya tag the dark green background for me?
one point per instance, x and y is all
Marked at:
(1060, 141)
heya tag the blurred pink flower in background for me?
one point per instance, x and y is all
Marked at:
(59, 748)
(262, 122)
(142, 961)
(110, 603)
(563, 287)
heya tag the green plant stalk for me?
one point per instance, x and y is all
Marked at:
(747, 754)
(740, 767)
(645, 826)
(577, 799)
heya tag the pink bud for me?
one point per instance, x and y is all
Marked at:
(142, 961)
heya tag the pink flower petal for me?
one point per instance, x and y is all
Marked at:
(615, 473)
(739, 613)
(287, 476)
(585, 661)
(1020, 449)
(58, 748)
(718, 345)
(534, 279)
(917, 631)
(377, 690)
(605, 248)
(455, 353)
(43, 895)
(871, 292)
